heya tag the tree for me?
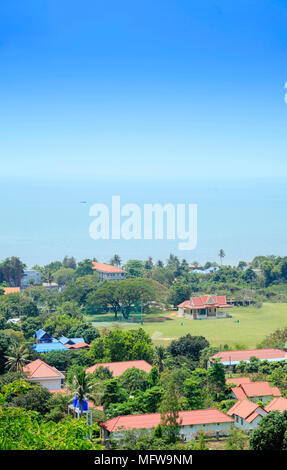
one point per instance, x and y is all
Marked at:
(194, 393)
(114, 393)
(26, 430)
(134, 268)
(106, 295)
(17, 357)
(189, 346)
(11, 271)
(115, 261)
(84, 268)
(81, 384)
(221, 255)
(6, 342)
(134, 379)
(64, 275)
(236, 440)
(271, 434)
(160, 355)
(169, 408)
(69, 262)
(216, 378)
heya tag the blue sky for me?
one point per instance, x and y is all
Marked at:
(170, 92)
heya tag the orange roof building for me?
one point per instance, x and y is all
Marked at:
(191, 422)
(118, 368)
(255, 391)
(246, 414)
(233, 358)
(11, 290)
(47, 376)
(277, 404)
(108, 271)
(204, 306)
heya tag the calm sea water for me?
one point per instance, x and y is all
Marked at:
(44, 221)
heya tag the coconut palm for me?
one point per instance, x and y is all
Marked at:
(116, 261)
(221, 255)
(81, 384)
(159, 357)
(17, 357)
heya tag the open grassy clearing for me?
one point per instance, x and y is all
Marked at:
(254, 324)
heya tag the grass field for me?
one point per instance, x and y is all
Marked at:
(254, 324)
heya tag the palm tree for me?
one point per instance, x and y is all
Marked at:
(159, 358)
(221, 255)
(116, 260)
(17, 357)
(81, 384)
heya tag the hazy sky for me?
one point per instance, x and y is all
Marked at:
(97, 93)
(155, 89)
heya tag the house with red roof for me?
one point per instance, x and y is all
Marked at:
(108, 271)
(43, 374)
(277, 404)
(191, 422)
(246, 414)
(118, 368)
(255, 391)
(233, 358)
(204, 307)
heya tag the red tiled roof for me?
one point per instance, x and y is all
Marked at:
(78, 346)
(11, 290)
(38, 369)
(205, 301)
(245, 355)
(118, 368)
(243, 409)
(148, 421)
(277, 404)
(259, 389)
(238, 380)
(252, 417)
(106, 268)
(239, 393)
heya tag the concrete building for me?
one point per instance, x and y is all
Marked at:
(30, 276)
(255, 391)
(191, 422)
(246, 415)
(204, 307)
(233, 358)
(43, 374)
(108, 271)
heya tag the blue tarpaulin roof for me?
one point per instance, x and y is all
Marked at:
(46, 347)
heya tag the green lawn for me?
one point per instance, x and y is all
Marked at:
(254, 324)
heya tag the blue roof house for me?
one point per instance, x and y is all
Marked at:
(71, 341)
(42, 336)
(47, 347)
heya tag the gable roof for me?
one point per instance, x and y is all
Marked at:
(118, 368)
(64, 340)
(39, 369)
(234, 357)
(244, 409)
(239, 393)
(41, 333)
(78, 345)
(148, 421)
(277, 404)
(238, 380)
(106, 268)
(260, 389)
(205, 301)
